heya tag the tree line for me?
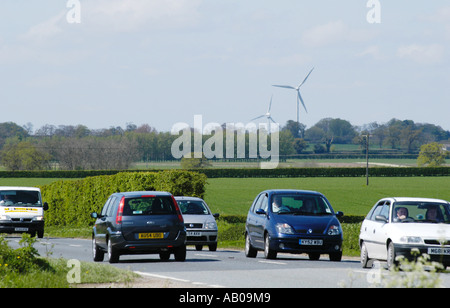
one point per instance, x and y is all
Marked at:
(80, 148)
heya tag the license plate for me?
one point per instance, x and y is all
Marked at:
(21, 229)
(151, 235)
(311, 242)
(191, 233)
(439, 251)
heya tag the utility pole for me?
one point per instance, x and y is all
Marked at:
(367, 159)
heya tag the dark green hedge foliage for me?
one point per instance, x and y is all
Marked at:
(72, 201)
(253, 173)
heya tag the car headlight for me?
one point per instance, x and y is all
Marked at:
(411, 240)
(284, 228)
(211, 225)
(334, 230)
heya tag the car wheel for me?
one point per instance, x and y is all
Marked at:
(113, 255)
(314, 256)
(391, 263)
(198, 247)
(250, 251)
(268, 253)
(364, 256)
(336, 256)
(212, 247)
(97, 254)
(180, 253)
(164, 256)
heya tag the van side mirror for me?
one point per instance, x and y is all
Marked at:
(45, 207)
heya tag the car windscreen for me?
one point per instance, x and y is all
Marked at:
(416, 211)
(153, 205)
(300, 205)
(20, 198)
(192, 207)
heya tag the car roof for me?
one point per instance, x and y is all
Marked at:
(144, 193)
(292, 191)
(3, 188)
(416, 199)
(188, 198)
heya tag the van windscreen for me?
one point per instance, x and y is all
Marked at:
(20, 198)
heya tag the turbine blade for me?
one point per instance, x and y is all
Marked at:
(301, 99)
(270, 104)
(271, 119)
(304, 80)
(258, 117)
(280, 86)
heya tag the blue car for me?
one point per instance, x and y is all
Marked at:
(293, 221)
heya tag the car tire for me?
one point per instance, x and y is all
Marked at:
(364, 256)
(314, 256)
(97, 254)
(164, 256)
(212, 247)
(113, 255)
(391, 262)
(198, 247)
(250, 251)
(268, 253)
(180, 253)
(336, 256)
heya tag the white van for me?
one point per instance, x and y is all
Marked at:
(22, 210)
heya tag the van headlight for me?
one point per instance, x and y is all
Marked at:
(411, 240)
(38, 218)
(211, 225)
(5, 217)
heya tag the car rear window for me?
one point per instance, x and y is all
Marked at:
(145, 205)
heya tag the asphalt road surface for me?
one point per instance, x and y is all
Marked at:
(229, 268)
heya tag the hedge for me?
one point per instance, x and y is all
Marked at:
(253, 172)
(72, 201)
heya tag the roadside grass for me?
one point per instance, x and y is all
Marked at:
(24, 268)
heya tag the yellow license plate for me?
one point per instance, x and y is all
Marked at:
(150, 235)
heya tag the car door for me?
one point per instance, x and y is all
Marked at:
(379, 235)
(371, 229)
(261, 220)
(253, 221)
(101, 225)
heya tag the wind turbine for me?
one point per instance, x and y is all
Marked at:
(267, 115)
(299, 97)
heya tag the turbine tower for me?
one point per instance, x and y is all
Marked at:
(299, 97)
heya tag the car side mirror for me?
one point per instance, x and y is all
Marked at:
(216, 215)
(45, 207)
(381, 218)
(260, 212)
(339, 214)
(94, 215)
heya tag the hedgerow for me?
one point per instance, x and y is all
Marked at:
(72, 201)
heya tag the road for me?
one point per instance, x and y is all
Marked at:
(229, 268)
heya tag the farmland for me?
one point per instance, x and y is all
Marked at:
(233, 196)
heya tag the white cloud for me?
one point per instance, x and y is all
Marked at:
(332, 33)
(46, 29)
(423, 54)
(129, 15)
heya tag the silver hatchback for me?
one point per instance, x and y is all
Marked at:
(201, 227)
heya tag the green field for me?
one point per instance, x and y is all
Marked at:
(233, 196)
(350, 195)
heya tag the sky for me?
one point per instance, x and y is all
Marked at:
(104, 63)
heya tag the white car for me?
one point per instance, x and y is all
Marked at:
(395, 226)
(201, 227)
